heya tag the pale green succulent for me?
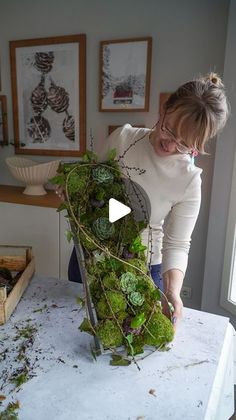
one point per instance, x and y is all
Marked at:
(102, 175)
(128, 282)
(102, 228)
(136, 298)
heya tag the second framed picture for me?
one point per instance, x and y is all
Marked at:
(125, 70)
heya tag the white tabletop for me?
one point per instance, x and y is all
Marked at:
(193, 380)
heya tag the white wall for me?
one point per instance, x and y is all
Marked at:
(223, 170)
(188, 39)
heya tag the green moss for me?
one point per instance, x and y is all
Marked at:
(137, 345)
(130, 291)
(109, 333)
(137, 263)
(117, 302)
(116, 190)
(110, 281)
(121, 316)
(129, 229)
(87, 244)
(160, 330)
(78, 180)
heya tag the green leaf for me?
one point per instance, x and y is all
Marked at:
(80, 301)
(10, 412)
(138, 320)
(111, 154)
(119, 361)
(90, 156)
(129, 338)
(69, 235)
(137, 245)
(58, 180)
(86, 326)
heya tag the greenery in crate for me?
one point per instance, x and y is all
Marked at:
(127, 303)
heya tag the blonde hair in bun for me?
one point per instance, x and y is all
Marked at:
(202, 108)
(215, 79)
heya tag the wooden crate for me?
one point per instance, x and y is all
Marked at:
(15, 258)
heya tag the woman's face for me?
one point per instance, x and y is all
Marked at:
(164, 138)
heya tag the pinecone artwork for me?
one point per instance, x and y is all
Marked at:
(38, 98)
(58, 98)
(39, 129)
(69, 127)
(44, 61)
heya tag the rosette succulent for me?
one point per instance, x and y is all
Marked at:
(128, 282)
(136, 298)
(102, 175)
(102, 228)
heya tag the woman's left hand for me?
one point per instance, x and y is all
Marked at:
(175, 300)
(173, 281)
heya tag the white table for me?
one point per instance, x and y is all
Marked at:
(193, 380)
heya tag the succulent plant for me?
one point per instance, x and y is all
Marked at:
(128, 282)
(102, 175)
(97, 203)
(102, 228)
(127, 254)
(127, 328)
(136, 298)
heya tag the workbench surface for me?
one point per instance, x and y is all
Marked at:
(193, 380)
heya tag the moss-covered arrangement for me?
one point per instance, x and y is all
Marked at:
(126, 301)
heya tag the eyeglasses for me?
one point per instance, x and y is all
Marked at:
(181, 148)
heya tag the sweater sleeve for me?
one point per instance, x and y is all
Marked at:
(114, 141)
(178, 227)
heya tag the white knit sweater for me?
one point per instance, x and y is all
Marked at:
(173, 185)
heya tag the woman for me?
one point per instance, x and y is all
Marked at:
(190, 117)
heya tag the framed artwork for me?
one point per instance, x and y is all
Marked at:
(125, 69)
(3, 121)
(112, 128)
(48, 77)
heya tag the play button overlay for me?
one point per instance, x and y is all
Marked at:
(117, 210)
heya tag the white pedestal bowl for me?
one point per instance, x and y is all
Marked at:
(33, 174)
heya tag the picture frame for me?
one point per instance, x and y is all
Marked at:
(48, 77)
(124, 75)
(3, 121)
